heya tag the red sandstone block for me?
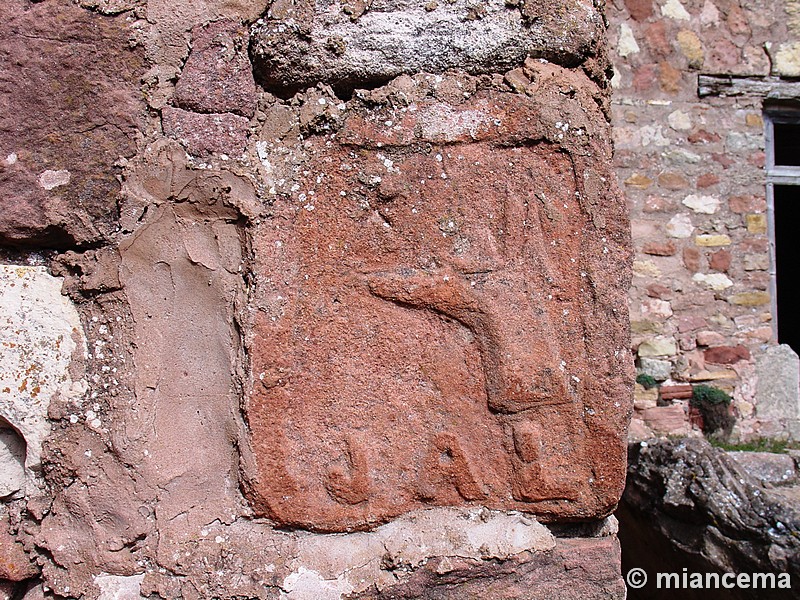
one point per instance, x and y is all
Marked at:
(726, 355)
(442, 319)
(676, 392)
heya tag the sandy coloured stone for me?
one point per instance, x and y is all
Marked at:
(710, 338)
(646, 268)
(709, 240)
(756, 223)
(785, 59)
(750, 298)
(692, 48)
(658, 347)
(639, 181)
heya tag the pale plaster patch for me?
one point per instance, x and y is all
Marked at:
(305, 584)
(329, 566)
(39, 331)
(53, 179)
(115, 587)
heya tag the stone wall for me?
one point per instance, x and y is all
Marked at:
(310, 300)
(693, 169)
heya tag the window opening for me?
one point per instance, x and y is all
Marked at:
(783, 213)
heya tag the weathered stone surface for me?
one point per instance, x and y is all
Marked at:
(778, 391)
(12, 462)
(551, 577)
(360, 44)
(217, 76)
(627, 42)
(658, 346)
(679, 391)
(666, 420)
(703, 503)
(726, 355)
(660, 248)
(639, 181)
(750, 298)
(680, 226)
(139, 493)
(434, 272)
(785, 59)
(711, 240)
(713, 281)
(756, 223)
(720, 260)
(115, 587)
(40, 336)
(206, 135)
(69, 109)
(707, 205)
(767, 467)
(15, 564)
(659, 370)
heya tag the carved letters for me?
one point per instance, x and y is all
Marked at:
(423, 325)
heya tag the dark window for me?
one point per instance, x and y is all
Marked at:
(787, 144)
(787, 215)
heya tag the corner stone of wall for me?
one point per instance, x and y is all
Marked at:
(434, 260)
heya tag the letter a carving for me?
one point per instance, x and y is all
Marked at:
(446, 462)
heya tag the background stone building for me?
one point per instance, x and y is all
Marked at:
(706, 134)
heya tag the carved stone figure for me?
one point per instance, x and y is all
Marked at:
(433, 328)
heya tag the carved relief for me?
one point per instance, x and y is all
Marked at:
(429, 300)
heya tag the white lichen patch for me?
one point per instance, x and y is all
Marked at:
(39, 331)
(53, 179)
